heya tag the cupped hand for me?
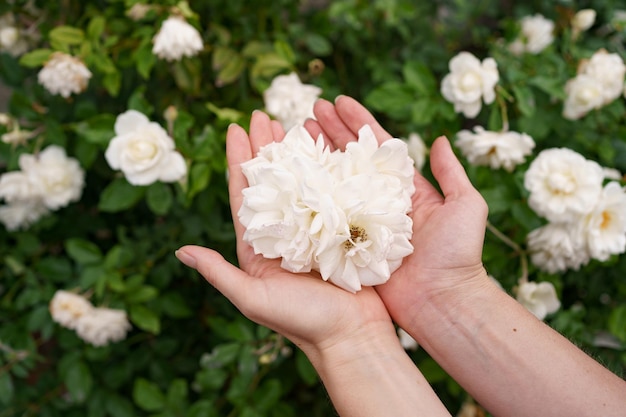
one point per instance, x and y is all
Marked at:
(314, 314)
(448, 227)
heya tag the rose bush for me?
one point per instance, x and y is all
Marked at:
(112, 157)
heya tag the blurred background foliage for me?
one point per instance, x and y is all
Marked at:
(191, 353)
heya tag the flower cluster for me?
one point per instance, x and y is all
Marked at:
(290, 101)
(343, 214)
(586, 219)
(143, 151)
(469, 82)
(96, 325)
(177, 39)
(494, 149)
(12, 39)
(599, 81)
(536, 34)
(64, 74)
(47, 181)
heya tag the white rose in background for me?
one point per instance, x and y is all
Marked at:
(494, 149)
(557, 247)
(418, 151)
(68, 308)
(537, 33)
(12, 39)
(469, 82)
(584, 93)
(21, 214)
(143, 151)
(605, 225)
(538, 298)
(582, 21)
(608, 70)
(290, 101)
(101, 326)
(177, 38)
(64, 74)
(563, 185)
(343, 214)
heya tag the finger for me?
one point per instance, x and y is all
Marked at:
(238, 151)
(261, 131)
(354, 115)
(236, 285)
(336, 131)
(278, 132)
(314, 129)
(448, 171)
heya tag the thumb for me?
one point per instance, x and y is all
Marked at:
(225, 277)
(448, 171)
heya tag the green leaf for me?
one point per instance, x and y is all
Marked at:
(35, 58)
(83, 251)
(7, 389)
(95, 27)
(159, 198)
(418, 76)
(66, 35)
(617, 322)
(120, 195)
(148, 395)
(145, 60)
(199, 176)
(268, 65)
(318, 44)
(188, 75)
(174, 305)
(97, 129)
(422, 111)
(525, 100)
(137, 101)
(142, 294)
(112, 82)
(220, 356)
(78, 381)
(202, 408)
(305, 369)
(145, 319)
(391, 98)
(230, 72)
(283, 49)
(118, 406)
(177, 394)
(267, 395)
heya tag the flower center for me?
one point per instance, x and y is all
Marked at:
(357, 235)
(561, 183)
(470, 81)
(141, 150)
(606, 220)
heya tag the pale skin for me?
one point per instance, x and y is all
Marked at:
(510, 362)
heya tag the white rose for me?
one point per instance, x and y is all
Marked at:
(468, 82)
(563, 185)
(557, 247)
(494, 149)
(406, 340)
(290, 101)
(64, 74)
(143, 151)
(584, 93)
(177, 39)
(17, 186)
(101, 326)
(59, 179)
(605, 226)
(418, 151)
(583, 20)
(608, 72)
(67, 308)
(22, 213)
(538, 298)
(12, 39)
(537, 33)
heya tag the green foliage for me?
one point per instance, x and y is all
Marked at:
(190, 352)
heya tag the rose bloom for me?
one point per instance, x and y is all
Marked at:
(557, 247)
(418, 151)
(468, 82)
(67, 308)
(21, 214)
(584, 93)
(101, 326)
(563, 185)
(583, 20)
(290, 101)
(605, 226)
(143, 151)
(537, 33)
(608, 71)
(538, 298)
(494, 149)
(12, 40)
(64, 74)
(177, 39)
(59, 179)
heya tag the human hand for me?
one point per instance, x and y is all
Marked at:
(448, 229)
(314, 314)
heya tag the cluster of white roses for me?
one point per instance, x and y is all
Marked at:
(143, 151)
(46, 181)
(586, 219)
(599, 81)
(96, 325)
(343, 214)
(64, 74)
(536, 34)
(290, 101)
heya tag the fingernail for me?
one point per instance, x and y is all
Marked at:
(338, 97)
(186, 258)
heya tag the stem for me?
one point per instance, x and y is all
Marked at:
(517, 248)
(503, 111)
